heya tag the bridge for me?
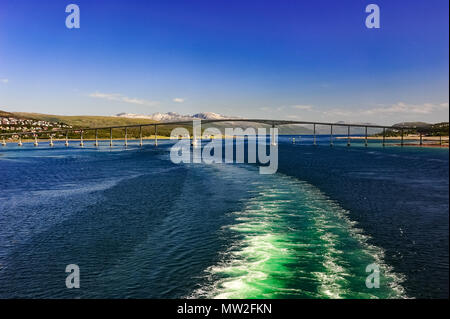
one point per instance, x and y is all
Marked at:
(274, 123)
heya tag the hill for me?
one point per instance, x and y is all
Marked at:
(95, 121)
(420, 128)
(84, 121)
(6, 114)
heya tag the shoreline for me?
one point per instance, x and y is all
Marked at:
(146, 138)
(409, 138)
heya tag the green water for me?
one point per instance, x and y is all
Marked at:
(291, 241)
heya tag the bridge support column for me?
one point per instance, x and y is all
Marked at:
(110, 138)
(314, 135)
(20, 141)
(140, 137)
(348, 136)
(3, 142)
(51, 141)
(421, 140)
(36, 141)
(96, 138)
(196, 134)
(156, 135)
(273, 138)
(440, 139)
(331, 135)
(81, 139)
(365, 139)
(401, 143)
(126, 136)
(384, 136)
(67, 139)
(194, 141)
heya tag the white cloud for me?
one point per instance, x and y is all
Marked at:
(121, 98)
(378, 113)
(5, 81)
(178, 100)
(302, 107)
(403, 108)
(285, 107)
(399, 108)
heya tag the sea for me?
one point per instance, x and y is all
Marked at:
(326, 225)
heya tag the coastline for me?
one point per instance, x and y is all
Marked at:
(409, 137)
(428, 141)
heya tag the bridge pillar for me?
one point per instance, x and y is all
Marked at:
(348, 135)
(126, 136)
(81, 139)
(421, 139)
(196, 132)
(156, 135)
(96, 138)
(67, 139)
(3, 142)
(20, 141)
(51, 141)
(314, 135)
(365, 139)
(440, 139)
(331, 135)
(273, 141)
(36, 141)
(110, 137)
(402, 138)
(194, 141)
(384, 136)
(140, 137)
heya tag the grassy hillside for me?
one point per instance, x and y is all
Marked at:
(84, 121)
(99, 121)
(5, 114)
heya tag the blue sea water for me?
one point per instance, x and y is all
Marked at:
(140, 226)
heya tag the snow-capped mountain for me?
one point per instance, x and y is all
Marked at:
(172, 116)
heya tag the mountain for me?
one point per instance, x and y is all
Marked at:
(342, 130)
(172, 116)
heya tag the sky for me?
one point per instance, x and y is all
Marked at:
(299, 60)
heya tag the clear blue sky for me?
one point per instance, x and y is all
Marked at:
(310, 60)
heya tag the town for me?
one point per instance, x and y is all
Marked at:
(12, 124)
